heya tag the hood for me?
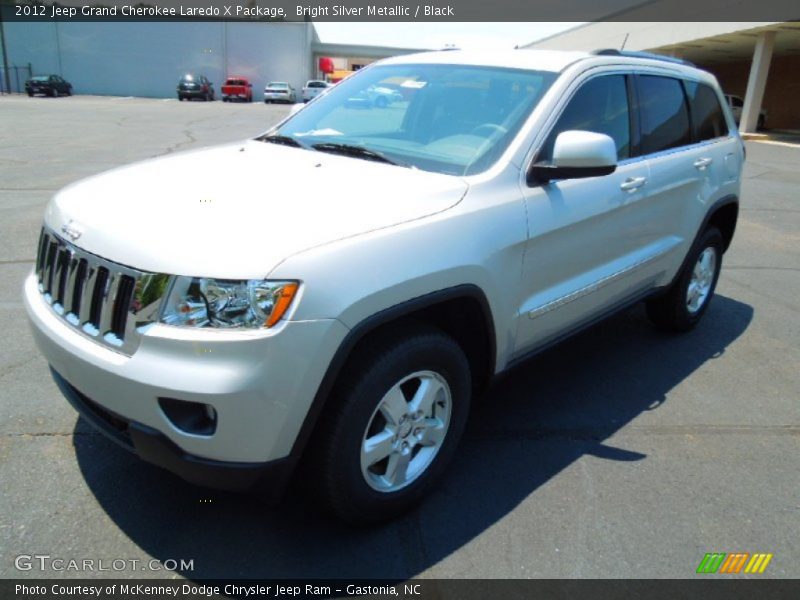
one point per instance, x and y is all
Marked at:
(238, 210)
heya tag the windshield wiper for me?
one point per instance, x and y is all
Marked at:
(357, 152)
(281, 139)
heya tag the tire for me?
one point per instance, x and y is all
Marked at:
(358, 411)
(180, 98)
(69, 91)
(685, 303)
(760, 124)
(30, 94)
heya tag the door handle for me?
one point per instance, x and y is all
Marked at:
(631, 184)
(702, 163)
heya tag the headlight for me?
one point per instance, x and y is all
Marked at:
(201, 302)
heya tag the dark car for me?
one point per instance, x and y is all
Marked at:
(49, 85)
(195, 86)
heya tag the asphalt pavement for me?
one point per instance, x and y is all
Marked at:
(622, 453)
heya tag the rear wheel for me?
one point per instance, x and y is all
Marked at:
(397, 416)
(684, 304)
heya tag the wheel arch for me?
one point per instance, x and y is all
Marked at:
(448, 309)
(724, 216)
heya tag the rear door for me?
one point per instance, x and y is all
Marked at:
(684, 169)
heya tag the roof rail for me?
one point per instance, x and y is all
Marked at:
(650, 55)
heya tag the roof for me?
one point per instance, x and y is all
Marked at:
(539, 60)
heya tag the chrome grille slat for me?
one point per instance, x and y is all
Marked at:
(72, 276)
(109, 295)
(63, 258)
(49, 266)
(88, 294)
(105, 301)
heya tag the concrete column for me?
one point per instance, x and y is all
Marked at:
(757, 82)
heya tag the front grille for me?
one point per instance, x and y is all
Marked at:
(101, 299)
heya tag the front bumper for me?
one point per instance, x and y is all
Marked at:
(193, 93)
(154, 447)
(261, 385)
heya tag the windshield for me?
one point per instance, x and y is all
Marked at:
(316, 84)
(445, 118)
(278, 86)
(41, 78)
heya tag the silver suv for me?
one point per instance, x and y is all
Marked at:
(503, 202)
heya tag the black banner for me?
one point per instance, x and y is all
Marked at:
(402, 10)
(706, 587)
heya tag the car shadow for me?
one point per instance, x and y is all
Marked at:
(564, 403)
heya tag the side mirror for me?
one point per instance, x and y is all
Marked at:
(577, 154)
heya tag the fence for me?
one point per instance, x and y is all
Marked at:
(13, 80)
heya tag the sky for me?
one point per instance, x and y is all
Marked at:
(472, 36)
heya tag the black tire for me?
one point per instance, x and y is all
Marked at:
(335, 464)
(760, 124)
(180, 98)
(69, 91)
(670, 311)
(30, 94)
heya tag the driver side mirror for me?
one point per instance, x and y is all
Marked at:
(577, 154)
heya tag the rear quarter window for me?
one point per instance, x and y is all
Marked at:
(707, 116)
(664, 114)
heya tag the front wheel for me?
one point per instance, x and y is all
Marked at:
(684, 304)
(397, 416)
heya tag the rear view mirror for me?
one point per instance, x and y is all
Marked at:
(577, 154)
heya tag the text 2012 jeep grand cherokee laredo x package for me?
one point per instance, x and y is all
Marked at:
(342, 317)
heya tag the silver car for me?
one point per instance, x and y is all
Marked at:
(736, 105)
(314, 88)
(279, 91)
(510, 200)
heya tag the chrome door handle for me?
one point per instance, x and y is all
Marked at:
(631, 184)
(702, 163)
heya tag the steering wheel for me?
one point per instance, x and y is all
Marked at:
(488, 130)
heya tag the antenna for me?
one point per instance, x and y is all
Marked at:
(625, 41)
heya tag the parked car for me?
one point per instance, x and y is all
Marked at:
(506, 204)
(279, 91)
(49, 85)
(379, 96)
(195, 86)
(237, 88)
(314, 88)
(736, 104)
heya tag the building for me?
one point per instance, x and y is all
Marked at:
(758, 61)
(147, 58)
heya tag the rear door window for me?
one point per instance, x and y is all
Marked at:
(707, 116)
(663, 113)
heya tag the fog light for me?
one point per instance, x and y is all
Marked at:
(191, 417)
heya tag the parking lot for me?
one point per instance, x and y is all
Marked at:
(624, 452)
